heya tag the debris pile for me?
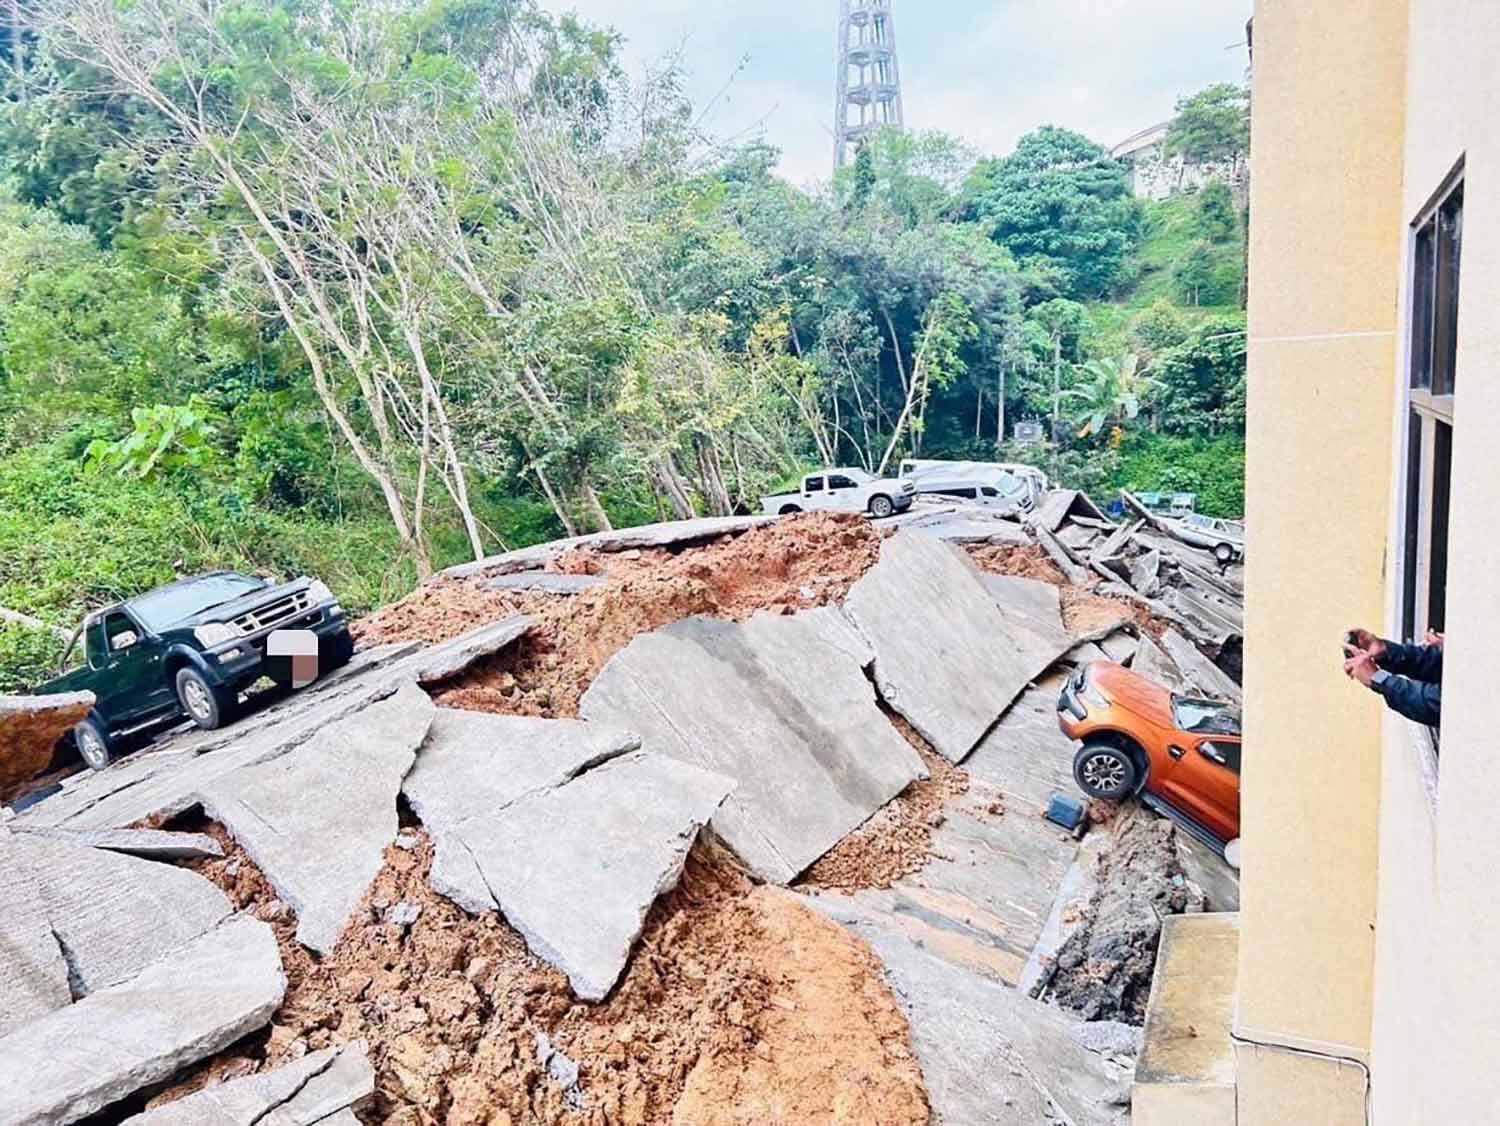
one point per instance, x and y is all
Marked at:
(519, 861)
(1104, 968)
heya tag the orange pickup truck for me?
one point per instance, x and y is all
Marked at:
(1139, 738)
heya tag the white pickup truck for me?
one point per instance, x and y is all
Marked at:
(851, 490)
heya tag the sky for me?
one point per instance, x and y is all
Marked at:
(987, 71)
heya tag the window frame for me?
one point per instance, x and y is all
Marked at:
(1426, 412)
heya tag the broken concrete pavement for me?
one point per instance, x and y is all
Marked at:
(79, 1059)
(33, 975)
(778, 704)
(316, 820)
(306, 1092)
(943, 655)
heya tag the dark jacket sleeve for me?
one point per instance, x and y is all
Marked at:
(1418, 700)
(1420, 662)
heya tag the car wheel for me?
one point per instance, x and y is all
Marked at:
(881, 507)
(340, 651)
(789, 510)
(93, 744)
(1103, 770)
(1224, 553)
(208, 707)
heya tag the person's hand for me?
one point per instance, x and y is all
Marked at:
(1434, 638)
(1362, 668)
(1365, 642)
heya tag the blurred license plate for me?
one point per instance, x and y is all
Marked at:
(292, 656)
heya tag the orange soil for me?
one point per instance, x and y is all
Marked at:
(737, 999)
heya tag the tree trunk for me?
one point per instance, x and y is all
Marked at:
(1056, 383)
(595, 508)
(671, 482)
(29, 622)
(1000, 405)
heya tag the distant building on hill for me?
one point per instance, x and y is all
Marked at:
(1155, 175)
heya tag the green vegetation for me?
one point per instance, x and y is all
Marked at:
(366, 291)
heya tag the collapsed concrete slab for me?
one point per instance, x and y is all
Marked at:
(149, 844)
(163, 783)
(1056, 507)
(72, 1062)
(1201, 674)
(475, 765)
(1152, 662)
(33, 975)
(944, 657)
(1026, 756)
(779, 704)
(30, 727)
(306, 1092)
(988, 1053)
(452, 657)
(317, 819)
(114, 915)
(671, 533)
(1033, 615)
(547, 582)
(575, 869)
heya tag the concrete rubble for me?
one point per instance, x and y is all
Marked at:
(30, 727)
(306, 1092)
(318, 819)
(33, 975)
(778, 704)
(184, 1007)
(114, 915)
(943, 656)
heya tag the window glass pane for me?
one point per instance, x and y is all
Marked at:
(1413, 526)
(1437, 568)
(1424, 256)
(815, 484)
(1450, 229)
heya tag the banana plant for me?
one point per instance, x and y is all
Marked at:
(1109, 389)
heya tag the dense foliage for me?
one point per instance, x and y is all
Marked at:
(366, 290)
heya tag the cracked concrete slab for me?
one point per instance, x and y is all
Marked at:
(149, 844)
(305, 1092)
(77, 1060)
(317, 819)
(163, 783)
(779, 704)
(547, 582)
(474, 765)
(988, 1053)
(576, 868)
(671, 533)
(1151, 661)
(944, 657)
(114, 914)
(448, 659)
(33, 975)
(1201, 674)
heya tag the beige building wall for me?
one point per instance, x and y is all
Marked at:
(1326, 216)
(1438, 959)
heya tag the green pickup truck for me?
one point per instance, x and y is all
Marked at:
(190, 648)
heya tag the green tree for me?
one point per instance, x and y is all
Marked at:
(1061, 320)
(1217, 217)
(1212, 126)
(1059, 201)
